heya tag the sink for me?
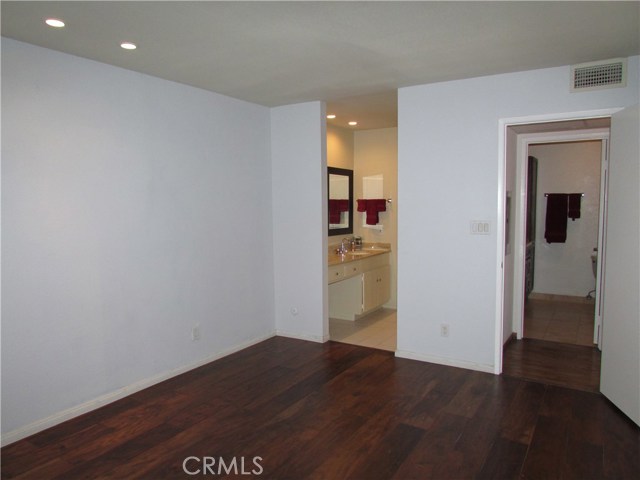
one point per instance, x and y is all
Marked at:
(360, 252)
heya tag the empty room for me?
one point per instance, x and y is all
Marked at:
(300, 240)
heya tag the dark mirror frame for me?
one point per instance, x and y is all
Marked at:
(347, 173)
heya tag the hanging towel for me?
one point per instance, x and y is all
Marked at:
(574, 205)
(336, 207)
(372, 207)
(555, 226)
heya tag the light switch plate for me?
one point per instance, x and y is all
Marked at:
(480, 227)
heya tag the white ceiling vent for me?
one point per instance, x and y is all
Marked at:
(597, 75)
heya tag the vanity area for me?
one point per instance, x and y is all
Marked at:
(362, 236)
(359, 275)
(359, 281)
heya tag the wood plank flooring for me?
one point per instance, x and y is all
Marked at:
(554, 363)
(333, 411)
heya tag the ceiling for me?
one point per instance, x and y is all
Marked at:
(353, 55)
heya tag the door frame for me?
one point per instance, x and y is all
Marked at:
(524, 142)
(517, 307)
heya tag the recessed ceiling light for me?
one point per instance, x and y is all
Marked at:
(54, 22)
(331, 117)
(128, 45)
(353, 124)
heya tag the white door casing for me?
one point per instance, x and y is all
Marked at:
(517, 307)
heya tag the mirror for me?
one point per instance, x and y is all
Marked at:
(340, 193)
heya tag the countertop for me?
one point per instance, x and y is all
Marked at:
(368, 250)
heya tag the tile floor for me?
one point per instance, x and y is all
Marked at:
(560, 319)
(376, 330)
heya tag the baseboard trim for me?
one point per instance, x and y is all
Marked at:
(445, 361)
(302, 336)
(108, 398)
(512, 338)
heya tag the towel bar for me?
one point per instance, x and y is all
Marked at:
(547, 194)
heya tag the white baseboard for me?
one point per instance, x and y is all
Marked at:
(299, 336)
(111, 397)
(445, 361)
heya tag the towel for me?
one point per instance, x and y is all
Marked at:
(555, 226)
(336, 207)
(372, 207)
(574, 205)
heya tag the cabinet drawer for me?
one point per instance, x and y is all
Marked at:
(351, 269)
(375, 262)
(336, 273)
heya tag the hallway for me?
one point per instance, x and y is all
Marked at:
(557, 318)
(557, 348)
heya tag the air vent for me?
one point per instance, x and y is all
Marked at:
(598, 75)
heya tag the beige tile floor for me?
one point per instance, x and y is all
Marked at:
(560, 319)
(376, 330)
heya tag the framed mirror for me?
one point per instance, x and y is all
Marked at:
(340, 193)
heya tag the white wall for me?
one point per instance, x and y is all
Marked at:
(509, 259)
(447, 176)
(133, 208)
(299, 178)
(565, 268)
(376, 152)
(339, 147)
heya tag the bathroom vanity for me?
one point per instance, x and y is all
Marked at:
(359, 282)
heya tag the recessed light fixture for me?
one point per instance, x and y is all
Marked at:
(331, 117)
(54, 22)
(353, 124)
(128, 45)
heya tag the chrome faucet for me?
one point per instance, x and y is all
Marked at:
(346, 244)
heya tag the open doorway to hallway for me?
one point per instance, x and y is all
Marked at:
(553, 279)
(561, 251)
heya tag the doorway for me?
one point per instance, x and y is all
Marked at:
(560, 273)
(370, 154)
(569, 306)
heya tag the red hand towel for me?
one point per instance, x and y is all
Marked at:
(574, 205)
(373, 208)
(336, 207)
(555, 226)
(362, 205)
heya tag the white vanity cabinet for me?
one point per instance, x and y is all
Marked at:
(358, 287)
(375, 288)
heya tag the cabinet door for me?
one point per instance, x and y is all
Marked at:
(369, 290)
(384, 284)
(376, 288)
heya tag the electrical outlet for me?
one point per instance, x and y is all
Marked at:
(444, 329)
(195, 333)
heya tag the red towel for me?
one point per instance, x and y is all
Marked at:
(555, 226)
(372, 207)
(574, 205)
(336, 207)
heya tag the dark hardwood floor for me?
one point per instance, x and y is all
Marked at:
(554, 363)
(332, 411)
